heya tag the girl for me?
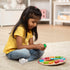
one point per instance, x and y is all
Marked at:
(20, 43)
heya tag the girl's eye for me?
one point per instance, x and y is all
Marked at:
(33, 22)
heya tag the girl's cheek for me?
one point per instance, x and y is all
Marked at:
(35, 25)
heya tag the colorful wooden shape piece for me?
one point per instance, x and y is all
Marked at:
(51, 62)
(46, 62)
(46, 57)
(61, 60)
(41, 60)
(56, 61)
(52, 58)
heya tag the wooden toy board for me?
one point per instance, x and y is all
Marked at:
(53, 60)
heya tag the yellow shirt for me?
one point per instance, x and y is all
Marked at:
(11, 44)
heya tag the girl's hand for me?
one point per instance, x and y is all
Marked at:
(40, 47)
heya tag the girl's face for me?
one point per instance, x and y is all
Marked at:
(32, 23)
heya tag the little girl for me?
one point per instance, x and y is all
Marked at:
(20, 43)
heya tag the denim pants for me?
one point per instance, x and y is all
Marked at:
(25, 53)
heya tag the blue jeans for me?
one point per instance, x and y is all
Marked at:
(25, 53)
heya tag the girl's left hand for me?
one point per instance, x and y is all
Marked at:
(42, 47)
